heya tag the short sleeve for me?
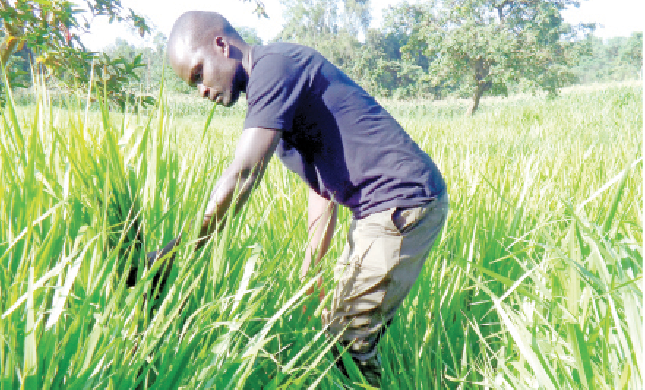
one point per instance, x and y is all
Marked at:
(273, 92)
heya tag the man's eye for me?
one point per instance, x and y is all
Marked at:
(197, 77)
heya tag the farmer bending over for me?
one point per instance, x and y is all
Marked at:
(348, 150)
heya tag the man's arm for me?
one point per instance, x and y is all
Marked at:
(254, 150)
(321, 224)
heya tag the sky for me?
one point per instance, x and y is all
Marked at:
(614, 17)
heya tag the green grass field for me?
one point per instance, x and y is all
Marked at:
(536, 281)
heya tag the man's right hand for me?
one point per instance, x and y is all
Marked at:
(160, 278)
(153, 256)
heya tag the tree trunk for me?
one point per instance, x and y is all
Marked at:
(479, 91)
(481, 69)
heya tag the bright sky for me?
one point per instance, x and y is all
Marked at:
(615, 17)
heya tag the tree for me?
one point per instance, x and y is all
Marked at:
(486, 45)
(327, 27)
(632, 52)
(616, 59)
(48, 32)
(250, 35)
(388, 71)
(356, 15)
(155, 69)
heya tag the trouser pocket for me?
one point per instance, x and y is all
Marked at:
(405, 219)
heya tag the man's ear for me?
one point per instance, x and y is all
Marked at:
(221, 45)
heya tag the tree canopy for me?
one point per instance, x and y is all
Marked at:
(440, 48)
(484, 45)
(432, 49)
(50, 30)
(329, 26)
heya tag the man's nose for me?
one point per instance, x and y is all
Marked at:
(202, 89)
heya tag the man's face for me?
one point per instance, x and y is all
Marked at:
(209, 68)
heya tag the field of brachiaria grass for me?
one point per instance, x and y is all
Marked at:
(536, 280)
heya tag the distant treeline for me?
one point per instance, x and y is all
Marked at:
(615, 59)
(433, 50)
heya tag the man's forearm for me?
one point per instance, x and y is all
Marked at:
(221, 199)
(321, 226)
(254, 150)
(230, 189)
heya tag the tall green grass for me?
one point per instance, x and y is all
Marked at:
(535, 281)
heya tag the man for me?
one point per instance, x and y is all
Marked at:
(344, 145)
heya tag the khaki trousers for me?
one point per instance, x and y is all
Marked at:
(382, 259)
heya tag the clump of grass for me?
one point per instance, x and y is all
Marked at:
(535, 282)
(88, 193)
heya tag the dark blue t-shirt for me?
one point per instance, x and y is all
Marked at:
(334, 134)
